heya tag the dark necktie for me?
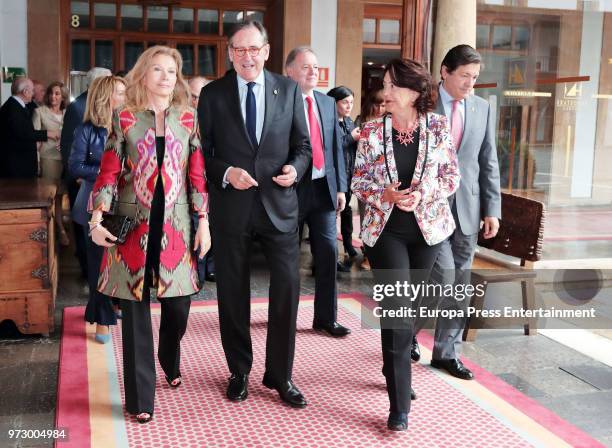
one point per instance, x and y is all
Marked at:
(251, 114)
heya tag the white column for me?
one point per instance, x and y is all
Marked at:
(586, 106)
(323, 36)
(13, 38)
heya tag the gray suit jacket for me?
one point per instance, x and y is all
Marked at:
(479, 191)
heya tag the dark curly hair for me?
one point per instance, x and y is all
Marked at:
(412, 75)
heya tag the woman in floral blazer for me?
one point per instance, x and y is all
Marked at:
(405, 170)
(154, 163)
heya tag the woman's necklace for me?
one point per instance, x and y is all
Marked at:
(406, 136)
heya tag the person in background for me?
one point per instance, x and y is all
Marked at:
(405, 170)
(153, 165)
(477, 201)
(373, 107)
(321, 192)
(50, 117)
(206, 266)
(105, 94)
(18, 152)
(72, 119)
(350, 136)
(38, 98)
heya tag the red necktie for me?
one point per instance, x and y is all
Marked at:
(456, 124)
(315, 137)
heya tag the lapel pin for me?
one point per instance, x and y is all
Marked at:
(275, 91)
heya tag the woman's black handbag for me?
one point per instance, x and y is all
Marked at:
(119, 226)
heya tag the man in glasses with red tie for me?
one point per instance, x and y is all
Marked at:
(321, 192)
(256, 147)
(476, 203)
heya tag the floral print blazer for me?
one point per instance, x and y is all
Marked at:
(436, 177)
(129, 168)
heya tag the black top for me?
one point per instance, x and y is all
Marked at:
(405, 161)
(156, 217)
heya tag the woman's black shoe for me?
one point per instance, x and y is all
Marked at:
(144, 417)
(172, 383)
(397, 421)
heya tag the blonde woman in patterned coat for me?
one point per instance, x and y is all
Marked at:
(155, 139)
(406, 169)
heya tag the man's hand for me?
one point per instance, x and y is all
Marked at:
(340, 202)
(240, 179)
(53, 135)
(287, 178)
(491, 227)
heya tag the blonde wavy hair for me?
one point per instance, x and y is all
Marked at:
(98, 108)
(136, 93)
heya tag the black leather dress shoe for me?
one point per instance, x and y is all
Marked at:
(334, 329)
(288, 392)
(237, 389)
(453, 366)
(211, 277)
(415, 351)
(341, 267)
(397, 421)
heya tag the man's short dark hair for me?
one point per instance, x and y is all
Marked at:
(246, 24)
(460, 55)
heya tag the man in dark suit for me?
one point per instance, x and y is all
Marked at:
(18, 157)
(321, 192)
(256, 147)
(477, 201)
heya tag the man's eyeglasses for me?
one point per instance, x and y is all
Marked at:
(253, 51)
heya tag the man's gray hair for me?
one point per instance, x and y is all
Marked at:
(19, 85)
(293, 54)
(97, 72)
(201, 79)
(247, 24)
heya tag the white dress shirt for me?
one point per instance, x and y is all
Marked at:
(316, 174)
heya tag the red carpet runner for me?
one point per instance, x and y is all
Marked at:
(341, 379)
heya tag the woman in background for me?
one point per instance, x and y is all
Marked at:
(105, 94)
(50, 117)
(350, 136)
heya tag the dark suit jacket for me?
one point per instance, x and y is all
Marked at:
(349, 146)
(18, 139)
(335, 169)
(72, 118)
(225, 142)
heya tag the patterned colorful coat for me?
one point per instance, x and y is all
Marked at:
(133, 139)
(440, 178)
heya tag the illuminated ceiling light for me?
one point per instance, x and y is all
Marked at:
(602, 96)
(370, 63)
(526, 93)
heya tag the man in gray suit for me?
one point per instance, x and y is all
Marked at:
(477, 201)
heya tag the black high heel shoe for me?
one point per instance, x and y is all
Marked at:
(397, 421)
(172, 383)
(144, 417)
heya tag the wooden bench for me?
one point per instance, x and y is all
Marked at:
(520, 236)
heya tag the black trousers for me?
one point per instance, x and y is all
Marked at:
(138, 358)
(99, 307)
(346, 225)
(320, 215)
(404, 251)
(232, 257)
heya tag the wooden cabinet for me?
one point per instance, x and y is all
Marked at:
(28, 257)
